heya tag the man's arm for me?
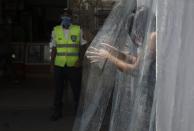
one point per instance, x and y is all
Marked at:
(123, 65)
(83, 43)
(53, 51)
(53, 55)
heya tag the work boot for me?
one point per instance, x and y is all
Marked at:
(57, 115)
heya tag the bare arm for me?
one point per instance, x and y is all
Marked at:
(123, 65)
(152, 44)
(120, 55)
(96, 55)
(123, 61)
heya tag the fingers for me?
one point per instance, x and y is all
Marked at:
(105, 44)
(94, 61)
(91, 50)
(93, 57)
(96, 58)
(101, 52)
(94, 49)
(88, 53)
(96, 55)
(108, 46)
(102, 44)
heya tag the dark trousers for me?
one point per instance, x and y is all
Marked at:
(64, 74)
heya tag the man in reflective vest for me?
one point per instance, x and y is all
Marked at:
(65, 60)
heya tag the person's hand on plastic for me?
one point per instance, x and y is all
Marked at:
(136, 61)
(107, 46)
(97, 55)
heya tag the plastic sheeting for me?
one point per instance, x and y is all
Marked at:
(101, 81)
(175, 76)
(133, 93)
(142, 107)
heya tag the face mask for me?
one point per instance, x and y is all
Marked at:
(66, 22)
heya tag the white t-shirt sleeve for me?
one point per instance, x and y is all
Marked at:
(66, 33)
(52, 42)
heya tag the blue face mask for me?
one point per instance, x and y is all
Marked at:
(66, 21)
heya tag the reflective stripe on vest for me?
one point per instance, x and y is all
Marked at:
(67, 49)
(67, 54)
(67, 45)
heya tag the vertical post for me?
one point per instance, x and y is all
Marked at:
(68, 4)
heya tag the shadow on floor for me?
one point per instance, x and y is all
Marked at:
(26, 106)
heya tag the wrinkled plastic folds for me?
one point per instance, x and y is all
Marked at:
(175, 76)
(103, 83)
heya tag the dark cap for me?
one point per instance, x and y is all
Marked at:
(68, 11)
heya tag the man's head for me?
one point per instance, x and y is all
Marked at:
(66, 18)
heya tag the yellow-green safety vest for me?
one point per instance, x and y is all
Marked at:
(67, 49)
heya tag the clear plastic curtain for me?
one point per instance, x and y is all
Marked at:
(132, 97)
(145, 85)
(175, 70)
(143, 3)
(102, 80)
(99, 79)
